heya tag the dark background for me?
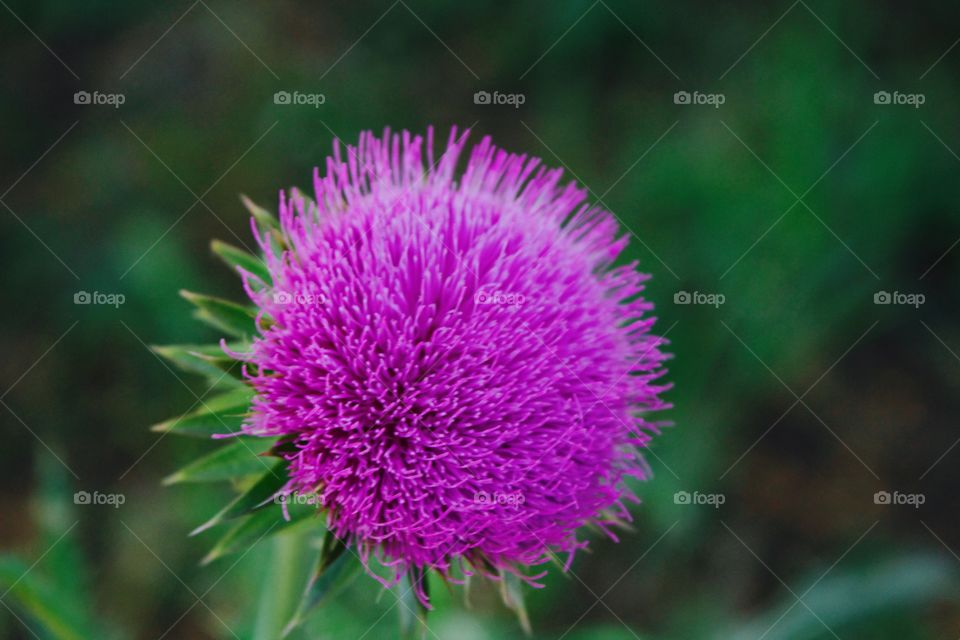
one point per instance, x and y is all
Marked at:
(798, 199)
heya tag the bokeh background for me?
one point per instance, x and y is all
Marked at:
(787, 188)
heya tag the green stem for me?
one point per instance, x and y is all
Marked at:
(284, 582)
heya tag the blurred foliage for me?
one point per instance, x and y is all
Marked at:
(127, 200)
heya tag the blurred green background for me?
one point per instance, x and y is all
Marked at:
(799, 199)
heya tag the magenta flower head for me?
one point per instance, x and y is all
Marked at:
(462, 376)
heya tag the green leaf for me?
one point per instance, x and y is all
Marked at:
(511, 590)
(59, 615)
(241, 457)
(230, 317)
(207, 360)
(261, 524)
(336, 566)
(842, 600)
(256, 497)
(224, 413)
(55, 512)
(236, 257)
(52, 597)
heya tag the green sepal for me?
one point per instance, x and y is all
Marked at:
(413, 613)
(207, 360)
(258, 496)
(511, 591)
(268, 225)
(336, 567)
(224, 413)
(235, 257)
(229, 317)
(259, 525)
(242, 457)
(263, 217)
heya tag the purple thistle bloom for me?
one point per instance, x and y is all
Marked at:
(463, 374)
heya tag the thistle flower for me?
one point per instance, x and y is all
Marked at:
(448, 364)
(461, 375)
